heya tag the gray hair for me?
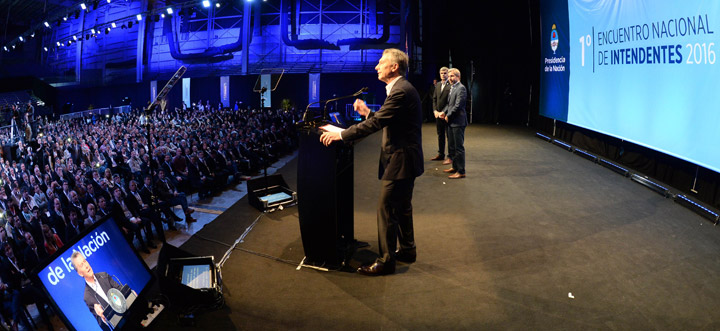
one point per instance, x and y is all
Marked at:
(455, 71)
(399, 57)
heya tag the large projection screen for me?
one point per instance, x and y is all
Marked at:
(642, 71)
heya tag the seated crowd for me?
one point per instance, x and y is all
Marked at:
(77, 171)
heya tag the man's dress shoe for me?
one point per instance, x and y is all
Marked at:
(451, 170)
(457, 175)
(377, 269)
(437, 158)
(447, 161)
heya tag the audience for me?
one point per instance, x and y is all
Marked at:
(74, 172)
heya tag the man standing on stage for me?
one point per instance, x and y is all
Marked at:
(401, 159)
(440, 98)
(454, 114)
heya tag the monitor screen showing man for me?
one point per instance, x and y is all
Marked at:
(91, 279)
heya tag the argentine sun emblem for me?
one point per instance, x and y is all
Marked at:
(554, 38)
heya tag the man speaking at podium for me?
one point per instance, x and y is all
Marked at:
(96, 287)
(401, 159)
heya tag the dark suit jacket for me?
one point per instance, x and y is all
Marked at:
(440, 98)
(400, 118)
(32, 259)
(455, 109)
(91, 298)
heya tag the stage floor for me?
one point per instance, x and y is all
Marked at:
(534, 238)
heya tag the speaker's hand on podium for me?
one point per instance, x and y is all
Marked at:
(327, 137)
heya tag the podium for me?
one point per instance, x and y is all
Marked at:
(120, 302)
(325, 199)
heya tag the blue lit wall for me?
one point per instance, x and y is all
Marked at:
(112, 58)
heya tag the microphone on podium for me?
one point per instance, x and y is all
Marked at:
(358, 93)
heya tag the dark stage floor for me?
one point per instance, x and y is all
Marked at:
(534, 238)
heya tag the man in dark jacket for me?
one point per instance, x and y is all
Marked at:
(401, 159)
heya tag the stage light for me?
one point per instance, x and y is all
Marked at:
(58, 43)
(32, 35)
(5, 48)
(69, 42)
(562, 144)
(697, 208)
(586, 155)
(169, 10)
(47, 25)
(13, 46)
(162, 15)
(93, 31)
(130, 24)
(643, 180)
(74, 37)
(109, 1)
(64, 18)
(107, 30)
(113, 25)
(21, 38)
(614, 167)
(206, 3)
(95, 4)
(139, 17)
(77, 14)
(217, 5)
(542, 136)
(83, 6)
(45, 48)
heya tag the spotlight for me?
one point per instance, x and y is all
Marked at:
(139, 17)
(123, 26)
(47, 25)
(75, 38)
(169, 10)
(13, 46)
(162, 15)
(95, 4)
(217, 5)
(83, 6)
(113, 25)
(21, 38)
(108, 1)
(5, 48)
(130, 24)
(69, 42)
(58, 43)
(32, 35)
(93, 31)
(77, 14)
(45, 48)
(206, 3)
(107, 30)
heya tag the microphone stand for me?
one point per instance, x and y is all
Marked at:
(325, 113)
